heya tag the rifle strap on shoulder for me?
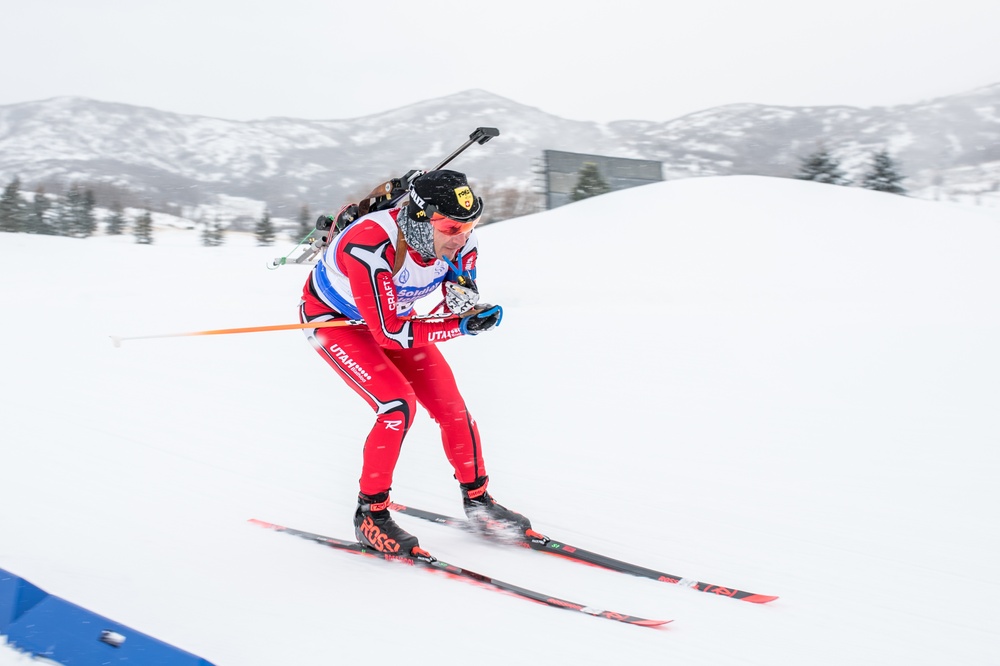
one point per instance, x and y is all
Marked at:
(400, 252)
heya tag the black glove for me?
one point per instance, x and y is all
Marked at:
(481, 318)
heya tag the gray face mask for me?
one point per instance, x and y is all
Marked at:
(418, 235)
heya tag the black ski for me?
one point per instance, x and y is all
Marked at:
(427, 561)
(544, 544)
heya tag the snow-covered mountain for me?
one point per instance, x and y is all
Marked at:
(948, 147)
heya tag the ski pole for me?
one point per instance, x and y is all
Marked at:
(117, 340)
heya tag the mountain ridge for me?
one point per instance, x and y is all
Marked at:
(948, 147)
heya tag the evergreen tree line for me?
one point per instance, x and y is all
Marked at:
(73, 214)
(213, 233)
(882, 175)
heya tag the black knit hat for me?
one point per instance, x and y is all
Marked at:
(445, 192)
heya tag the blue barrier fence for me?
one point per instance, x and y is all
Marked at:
(42, 624)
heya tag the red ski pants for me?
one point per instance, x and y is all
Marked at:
(393, 382)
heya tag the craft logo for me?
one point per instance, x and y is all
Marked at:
(464, 196)
(388, 290)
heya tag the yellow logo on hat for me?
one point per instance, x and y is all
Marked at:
(464, 196)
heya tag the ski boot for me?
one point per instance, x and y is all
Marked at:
(489, 518)
(375, 528)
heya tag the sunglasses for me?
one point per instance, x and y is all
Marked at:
(452, 227)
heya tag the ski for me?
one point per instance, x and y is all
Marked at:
(544, 544)
(427, 561)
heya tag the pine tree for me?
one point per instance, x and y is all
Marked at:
(60, 217)
(38, 214)
(88, 218)
(80, 221)
(218, 231)
(306, 224)
(822, 167)
(883, 175)
(590, 183)
(116, 223)
(144, 229)
(212, 234)
(264, 231)
(13, 215)
(206, 232)
(70, 214)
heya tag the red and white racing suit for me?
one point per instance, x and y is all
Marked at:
(391, 362)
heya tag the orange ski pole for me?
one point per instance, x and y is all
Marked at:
(117, 340)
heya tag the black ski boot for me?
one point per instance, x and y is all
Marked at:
(488, 517)
(375, 528)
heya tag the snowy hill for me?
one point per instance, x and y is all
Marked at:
(776, 385)
(948, 147)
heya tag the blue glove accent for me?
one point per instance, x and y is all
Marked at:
(486, 320)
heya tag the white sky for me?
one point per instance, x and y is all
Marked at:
(585, 60)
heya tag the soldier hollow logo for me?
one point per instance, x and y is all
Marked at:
(407, 295)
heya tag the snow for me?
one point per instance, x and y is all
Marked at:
(777, 385)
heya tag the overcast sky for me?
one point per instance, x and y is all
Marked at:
(583, 60)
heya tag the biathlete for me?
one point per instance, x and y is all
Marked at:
(374, 270)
